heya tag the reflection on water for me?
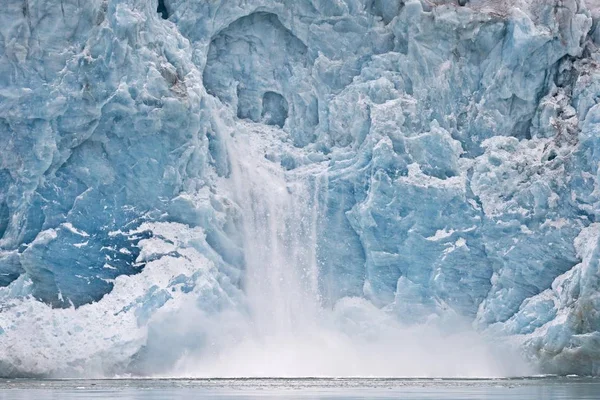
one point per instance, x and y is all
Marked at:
(408, 389)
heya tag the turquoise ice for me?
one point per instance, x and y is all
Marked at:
(417, 163)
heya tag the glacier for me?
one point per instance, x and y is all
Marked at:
(299, 188)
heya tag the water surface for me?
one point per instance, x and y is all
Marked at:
(408, 389)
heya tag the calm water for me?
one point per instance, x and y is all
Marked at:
(505, 389)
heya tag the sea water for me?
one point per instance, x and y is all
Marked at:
(553, 388)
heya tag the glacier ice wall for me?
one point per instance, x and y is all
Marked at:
(451, 151)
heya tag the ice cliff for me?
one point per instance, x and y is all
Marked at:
(431, 162)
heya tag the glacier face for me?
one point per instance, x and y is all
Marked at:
(444, 155)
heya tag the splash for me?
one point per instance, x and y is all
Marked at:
(286, 331)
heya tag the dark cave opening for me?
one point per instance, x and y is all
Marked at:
(162, 9)
(274, 109)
